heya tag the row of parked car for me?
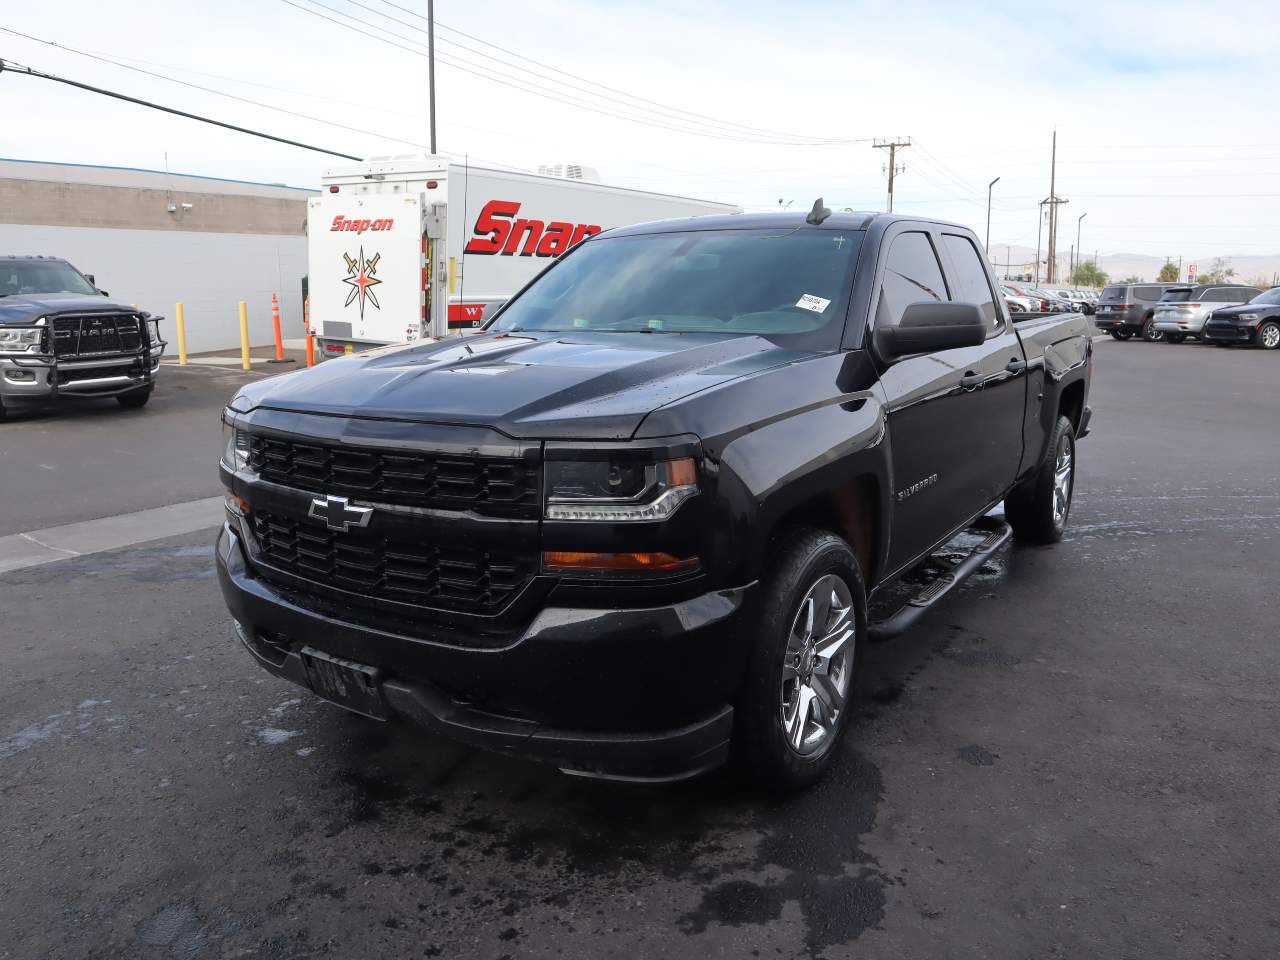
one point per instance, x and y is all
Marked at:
(1020, 298)
(1219, 313)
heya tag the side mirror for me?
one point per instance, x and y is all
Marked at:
(104, 293)
(928, 327)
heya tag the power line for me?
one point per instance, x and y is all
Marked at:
(28, 71)
(219, 93)
(631, 96)
(525, 86)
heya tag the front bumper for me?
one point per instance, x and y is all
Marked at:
(1223, 332)
(44, 377)
(635, 694)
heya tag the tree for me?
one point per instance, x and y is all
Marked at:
(1220, 272)
(1087, 274)
(1132, 278)
(1168, 273)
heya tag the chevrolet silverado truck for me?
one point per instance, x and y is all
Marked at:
(633, 526)
(59, 337)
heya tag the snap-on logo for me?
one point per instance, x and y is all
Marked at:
(359, 226)
(498, 231)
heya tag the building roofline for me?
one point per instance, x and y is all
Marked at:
(163, 173)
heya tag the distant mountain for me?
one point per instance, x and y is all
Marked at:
(1260, 269)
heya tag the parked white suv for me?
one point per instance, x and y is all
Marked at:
(1182, 311)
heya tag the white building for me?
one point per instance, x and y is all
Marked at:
(155, 238)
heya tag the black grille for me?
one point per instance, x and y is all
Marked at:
(487, 485)
(95, 335)
(448, 577)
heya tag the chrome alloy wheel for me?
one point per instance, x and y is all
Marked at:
(818, 665)
(1062, 482)
(1270, 336)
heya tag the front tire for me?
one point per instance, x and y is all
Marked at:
(1268, 336)
(810, 634)
(132, 401)
(1038, 508)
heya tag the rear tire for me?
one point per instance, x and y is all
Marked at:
(1123, 333)
(132, 401)
(1269, 335)
(810, 621)
(1038, 508)
(1149, 331)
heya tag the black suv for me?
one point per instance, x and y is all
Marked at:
(1125, 309)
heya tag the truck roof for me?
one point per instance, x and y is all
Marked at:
(845, 220)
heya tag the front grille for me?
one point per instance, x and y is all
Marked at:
(496, 486)
(374, 567)
(96, 334)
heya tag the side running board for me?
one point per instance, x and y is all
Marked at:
(995, 534)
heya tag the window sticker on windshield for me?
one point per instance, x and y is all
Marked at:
(657, 324)
(580, 324)
(810, 302)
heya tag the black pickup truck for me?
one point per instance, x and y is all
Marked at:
(634, 525)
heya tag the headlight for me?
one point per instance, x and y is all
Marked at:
(235, 447)
(613, 490)
(20, 339)
(154, 324)
(1250, 316)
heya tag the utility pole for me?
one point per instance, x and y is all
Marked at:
(1053, 202)
(893, 169)
(987, 245)
(1079, 249)
(1039, 231)
(431, 68)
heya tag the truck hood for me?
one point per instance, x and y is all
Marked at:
(537, 386)
(25, 308)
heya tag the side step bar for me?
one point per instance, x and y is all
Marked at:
(997, 533)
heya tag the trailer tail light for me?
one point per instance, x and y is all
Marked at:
(333, 188)
(432, 184)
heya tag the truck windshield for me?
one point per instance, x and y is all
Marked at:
(40, 276)
(787, 281)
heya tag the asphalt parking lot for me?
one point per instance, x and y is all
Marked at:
(1076, 757)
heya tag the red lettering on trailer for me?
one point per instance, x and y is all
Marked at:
(341, 223)
(498, 232)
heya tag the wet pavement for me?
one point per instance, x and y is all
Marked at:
(1076, 756)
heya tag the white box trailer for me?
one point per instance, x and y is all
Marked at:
(406, 248)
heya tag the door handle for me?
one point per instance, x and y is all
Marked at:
(1015, 365)
(971, 380)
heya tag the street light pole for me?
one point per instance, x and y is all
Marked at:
(1078, 221)
(989, 186)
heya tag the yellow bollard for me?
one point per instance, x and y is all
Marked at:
(180, 324)
(244, 335)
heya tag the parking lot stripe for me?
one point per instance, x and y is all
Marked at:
(35, 547)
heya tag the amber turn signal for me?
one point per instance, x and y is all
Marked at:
(652, 562)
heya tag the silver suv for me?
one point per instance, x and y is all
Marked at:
(1182, 311)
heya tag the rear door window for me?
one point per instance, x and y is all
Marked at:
(911, 274)
(970, 276)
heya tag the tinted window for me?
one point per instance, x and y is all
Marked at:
(1114, 294)
(1271, 296)
(911, 275)
(1181, 295)
(40, 276)
(971, 277)
(1149, 292)
(771, 283)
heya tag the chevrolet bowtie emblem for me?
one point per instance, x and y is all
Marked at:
(338, 514)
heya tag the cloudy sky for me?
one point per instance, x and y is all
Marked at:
(1166, 113)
